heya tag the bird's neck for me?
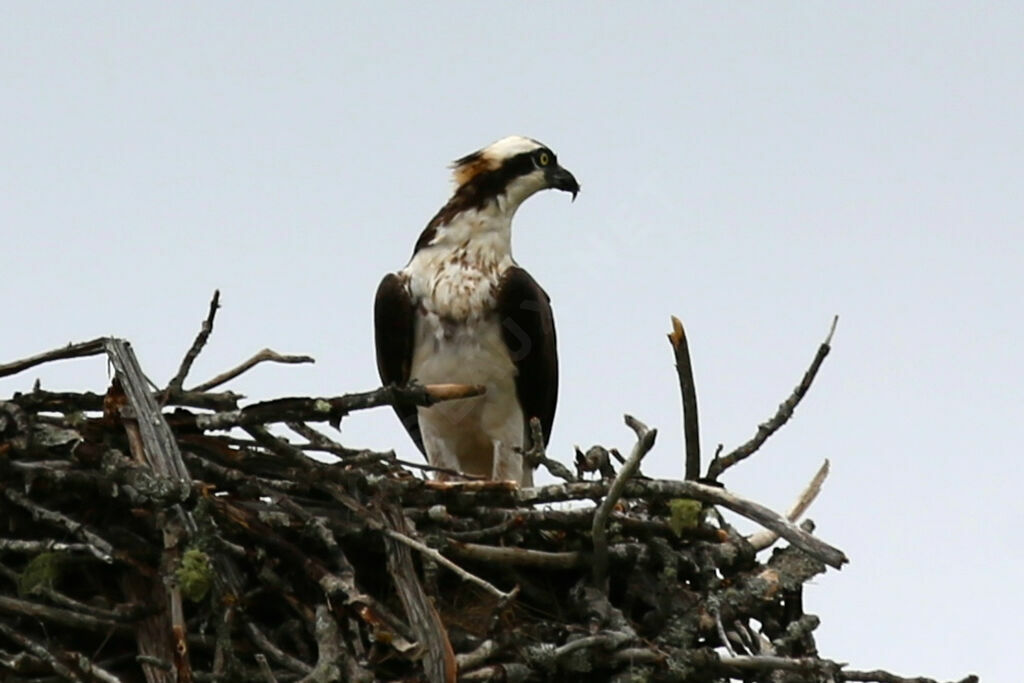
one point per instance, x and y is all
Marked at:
(483, 234)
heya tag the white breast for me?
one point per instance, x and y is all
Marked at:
(459, 340)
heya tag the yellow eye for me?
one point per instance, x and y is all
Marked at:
(543, 159)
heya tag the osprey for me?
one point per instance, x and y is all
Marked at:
(463, 311)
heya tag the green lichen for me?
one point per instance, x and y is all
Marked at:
(684, 514)
(42, 571)
(195, 575)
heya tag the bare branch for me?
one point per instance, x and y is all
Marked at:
(688, 391)
(444, 561)
(665, 489)
(764, 539)
(307, 409)
(263, 356)
(93, 347)
(721, 464)
(599, 532)
(197, 346)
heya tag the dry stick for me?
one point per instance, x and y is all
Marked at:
(511, 556)
(442, 560)
(745, 665)
(782, 415)
(537, 455)
(80, 350)
(261, 662)
(878, 676)
(40, 651)
(98, 546)
(764, 539)
(312, 409)
(197, 346)
(273, 651)
(439, 657)
(664, 488)
(265, 355)
(329, 648)
(57, 615)
(598, 530)
(684, 368)
(352, 504)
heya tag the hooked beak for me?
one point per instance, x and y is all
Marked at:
(561, 179)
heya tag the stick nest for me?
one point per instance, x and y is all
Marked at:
(172, 536)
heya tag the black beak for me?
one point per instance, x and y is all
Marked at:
(561, 179)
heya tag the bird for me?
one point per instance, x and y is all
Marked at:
(464, 311)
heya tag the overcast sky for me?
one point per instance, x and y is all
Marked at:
(751, 168)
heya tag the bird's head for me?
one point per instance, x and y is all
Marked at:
(514, 168)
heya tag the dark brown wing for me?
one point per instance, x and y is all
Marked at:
(529, 332)
(393, 326)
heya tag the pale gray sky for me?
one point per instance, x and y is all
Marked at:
(753, 169)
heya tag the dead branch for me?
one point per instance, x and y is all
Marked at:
(214, 556)
(93, 347)
(721, 464)
(688, 391)
(765, 539)
(262, 356)
(599, 532)
(197, 346)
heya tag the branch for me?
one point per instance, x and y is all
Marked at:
(442, 560)
(200, 341)
(513, 557)
(781, 417)
(536, 455)
(266, 355)
(878, 676)
(684, 368)
(95, 544)
(80, 350)
(662, 489)
(332, 409)
(599, 532)
(41, 651)
(764, 539)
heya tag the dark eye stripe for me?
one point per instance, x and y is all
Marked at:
(484, 187)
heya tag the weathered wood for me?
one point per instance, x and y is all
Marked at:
(359, 570)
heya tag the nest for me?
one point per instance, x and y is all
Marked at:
(173, 536)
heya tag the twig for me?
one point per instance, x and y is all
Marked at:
(197, 346)
(536, 455)
(328, 646)
(748, 664)
(517, 556)
(764, 539)
(721, 628)
(20, 545)
(265, 355)
(261, 662)
(442, 560)
(100, 548)
(39, 650)
(477, 657)
(309, 409)
(879, 676)
(57, 615)
(688, 391)
(662, 489)
(782, 415)
(599, 532)
(93, 347)
(273, 651)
